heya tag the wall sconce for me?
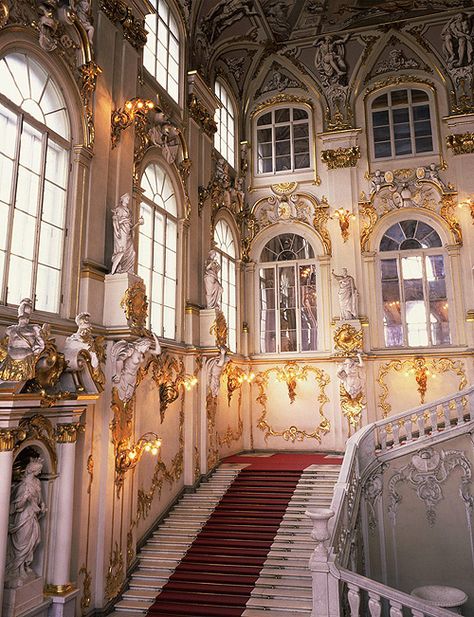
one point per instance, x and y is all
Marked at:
(420, 369)
(189, 381)
(344, 217)
(468, 203)
(129, 454)
(291, 373)
(134, 110)
(235, 378)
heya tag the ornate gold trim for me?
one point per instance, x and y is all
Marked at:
(67, 433)
(39, 428)
(58, 590)
(219, 329)
(90, 471)
(341, 157)
(134, 111)
(461, 143)
(10, 437)
(135, 306)
(119, 12)
(115, 573)
(201, 116)
(347, 340)
(86, 598)
(421, 368)
(351, 407)
(293, 433)
(278, 99)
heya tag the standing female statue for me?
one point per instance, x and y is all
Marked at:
(347, 295)
(123, 258)
(24, 533)
(212, 283)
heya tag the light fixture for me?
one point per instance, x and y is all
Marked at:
(189, 381)
(235, 378)
(344, 217)
(129, 454)
(468, 203)
(134, 110)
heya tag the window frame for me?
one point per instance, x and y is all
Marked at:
(48, 135)
(218, 117)
(291, 123)
(433, 116)
(232, 260)
(172, 14)
(398, 254)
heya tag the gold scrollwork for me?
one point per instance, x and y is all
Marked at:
(351, 407)
(448, 204)
(219, 329)
(278, 99)
(461, 143)
(197, 464)
(4, 14)
(135, 306)
(341, 157)
(88, 74)
(321, 217)
(347, 340)
(169, 375)
(115, 573)
(86, 598)
(371, 217)
(421, 368)
(90, 471)
(201, 116)
(67, 433)
(10, 437)
(39, 428)
(118, 11)
(212, 437)
(134, 111)
(293, 433)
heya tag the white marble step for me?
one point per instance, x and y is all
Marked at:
(269, 603)
(261, 612)
(282, 582)
(281, 593)
(134, 606)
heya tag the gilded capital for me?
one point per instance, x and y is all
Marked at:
(67, 433)
(9, 437)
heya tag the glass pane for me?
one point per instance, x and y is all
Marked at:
(399, 97)
(393, 330)
(403, 146)
(424, 144)
(8, 131)
(382, 133)
(380, 101)
(170, 264)
(439, 323)
(415, 315)
(282, 115)
(51, 246)
(54, 204)
(302, 161)
(419, 95)
(27, 191)
(4, 213)
(19, 279)
(308, 315)
(382, 150)
(282, 133)
(287, 296)
(23, 236)
(380, 118)
(30, 148)
(423, 128)
(283, 163)
(56, 164)
(47, 289)
(6, 177)
(169, 322)
(400, 115)
(265, 119)
(144, 250)
(171, 235)
(155, 318)
(421, 112)
(401, 131)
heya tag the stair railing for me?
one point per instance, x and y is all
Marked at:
(334, 584)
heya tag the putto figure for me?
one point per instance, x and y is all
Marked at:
(348, 296)
(212, 284)
(25, 344)
(123, 258)
(24, 532)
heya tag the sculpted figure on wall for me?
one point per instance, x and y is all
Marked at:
(48, 26)
(348, 295)
(212, 284)
(123, 258)
(458, 41)
(127, 357)
(83, 11)
(351, 375)
(164, 134)
(226, 13)
(24, 533)
(25, 343)
(329, 59)
(216, 366)
(82, 340)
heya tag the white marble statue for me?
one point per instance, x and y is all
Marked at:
(79, 341)
(377, 181)
(24, 532)
(212, 284)
(215, 367)
(351, 375)
(329, 59)
(348, 295)
(123, 258)
(127, 357)
(458, 41)
(164, 134)
(25, 343)
(83, 11)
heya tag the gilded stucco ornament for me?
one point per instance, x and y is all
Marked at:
(201, 116)
(135, 306)
(293, 433)
(341, 157)
(10, 437)
(421, 369)
(347, 340)
(219, 329)
(461, 143)
(68, 433)
(39, 428)
(86, 597)
(134, 111)
(222, 191)
(115, 572)
(119, 12)
(351, 390)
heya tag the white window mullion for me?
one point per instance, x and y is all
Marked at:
(401, 285)
(426, 298)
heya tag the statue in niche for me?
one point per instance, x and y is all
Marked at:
(25, 344)
(165, 135)
(348, 295)
(212, 284)
(223, 180)
(226, 13)
(127, 357)
(351, 375)
(24, 532)
(123, 258)
(457, 41)
(330, 52)
(215, 368)
(83, 11)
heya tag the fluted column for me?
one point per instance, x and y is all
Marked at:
(59, 583)
(8, 438)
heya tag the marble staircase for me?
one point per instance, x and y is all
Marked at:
(283, 588)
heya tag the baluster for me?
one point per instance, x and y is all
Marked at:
(383, 438)
(434, 419)
(395, 609)
(420, 420)
(375, 605)
(459, 410)
(353, 596)
(396, 434)
(409, 428)
(447, 415)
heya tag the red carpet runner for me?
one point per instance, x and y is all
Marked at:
(219, 571)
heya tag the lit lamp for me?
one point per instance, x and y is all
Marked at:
(468, 203)
(128, 455)
(134, 110)
(189, 381)
(344, 217)
(235, 378)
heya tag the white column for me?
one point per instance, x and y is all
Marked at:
(7, 443)
(60, 582)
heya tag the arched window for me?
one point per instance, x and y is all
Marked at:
(161, 53)
(225, 247)
(283, 140)
(34, 161)
(414, 293)
(224, 138)
(157, 248)
(287, 284)
(401, 124)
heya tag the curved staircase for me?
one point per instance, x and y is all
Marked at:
(238, 546)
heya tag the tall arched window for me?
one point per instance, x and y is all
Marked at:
(224, 138)
(401, 123)
(34, 161)
(162, 50)
(414, 293)
(283, 140)
(288, 300)
(225, 247)
(157, 248)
